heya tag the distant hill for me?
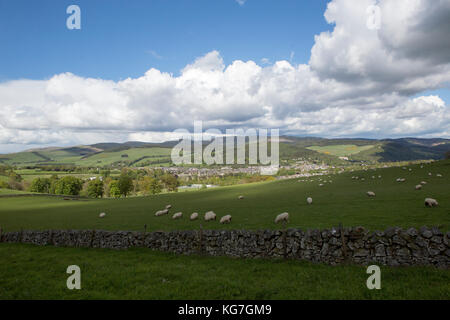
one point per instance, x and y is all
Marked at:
(135, 153)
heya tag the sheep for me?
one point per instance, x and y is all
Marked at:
(363, 179)
(370, 193)
(401, 179)
(309, 200)
(177, 215)
(423, 182)
(241, 197)
(418, 187)
(194, 216)
(438, 175)
(161, 212)
(210, 215)
(168, 206)
(225, 219)
(321, 185)
(282, 217)
(379, 177)
(102, 215)
(430, 174)
(430, 202)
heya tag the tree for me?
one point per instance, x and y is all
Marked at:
(170, 182)
(68, 186)
(114, 190)
(125, 184)
(150, 185)
(41, 185)
(95, 188)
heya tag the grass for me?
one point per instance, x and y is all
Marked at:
(40, 273)
(99, 159)
(344, 200)
(341, 150)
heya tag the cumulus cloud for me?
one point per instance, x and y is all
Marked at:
(358, 82)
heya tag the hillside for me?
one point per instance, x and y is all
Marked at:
(137, 154)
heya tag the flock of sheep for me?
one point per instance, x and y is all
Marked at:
(284, 217)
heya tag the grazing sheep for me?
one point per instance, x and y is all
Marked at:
(418, 187)
(168, 206)
(102, 215)
(421, 167)
(438, 175)
(210, 215)
(401, 179)
(177, 215)
(194, 216)
(161, 212)
(423, 182)
(363, 179)
(282, 217)
(430, 202)
(373, 177)
(410, 169)
(225, 219)
(371, 193)
(429, 173)
(379, 177)
(309, 200)
(241, 197)
(321, 185)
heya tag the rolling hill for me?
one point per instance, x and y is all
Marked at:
(137, 154)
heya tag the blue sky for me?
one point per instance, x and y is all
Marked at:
(121, 39)
(139, 70)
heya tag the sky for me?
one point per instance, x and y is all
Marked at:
(138, 70)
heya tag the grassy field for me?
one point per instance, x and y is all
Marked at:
(138, 155)
(343, 200)
(40, 273)
(342, 150)
(31, 272)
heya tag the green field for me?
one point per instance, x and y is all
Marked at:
(134, 156)
(39, 272)
(344, 200)
(342, 150)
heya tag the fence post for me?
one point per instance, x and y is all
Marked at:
(1, 235)
(50, 241)
(21, 235)
(143, 236)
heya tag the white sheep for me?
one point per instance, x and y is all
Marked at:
(430, 202)
(241, 197)
(194, 216)
(282, 217)
(438, 175)
(370, 193)
(418, 187)
(168, 206)
(423, 182)
(430, 174)
(177, 215)
(309, 200)
(161, 212)
(210, 215)
(102, 215)
(321, 185)
(225, 219)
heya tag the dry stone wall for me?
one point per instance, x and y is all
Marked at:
(393, 246)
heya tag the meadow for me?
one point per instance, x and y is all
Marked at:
(344, 200)
(30, 272)
(342, 150)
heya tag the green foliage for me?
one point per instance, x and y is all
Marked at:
(95, 188)
(68, 186)
(114, 190)
(125, 184)
(41, 185)
(170, 182)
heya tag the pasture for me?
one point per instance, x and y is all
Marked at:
(40, 273)
(341, 150)
(344, 200)
(31, 272)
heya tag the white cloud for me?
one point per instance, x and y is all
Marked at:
(241, 2)
(357, 83)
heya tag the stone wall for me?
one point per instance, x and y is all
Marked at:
(394, 246)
